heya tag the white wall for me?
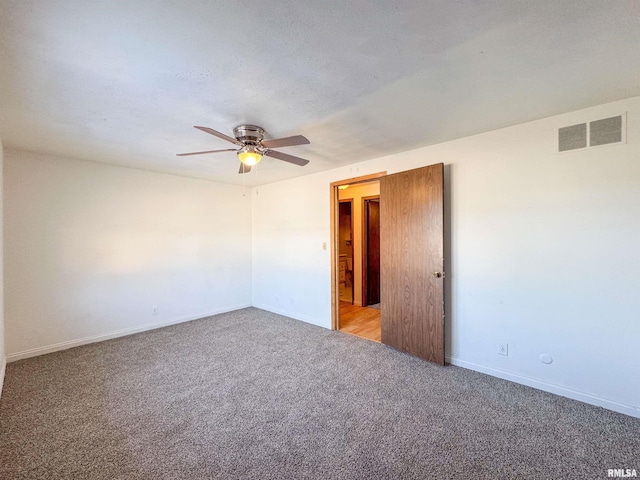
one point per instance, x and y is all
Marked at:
(3, 360)
(91, 248)
(543, 254)
(294, 275)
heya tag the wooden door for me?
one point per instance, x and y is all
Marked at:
(372, 219)
(412, 262)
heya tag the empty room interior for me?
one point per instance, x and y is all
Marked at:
(402, 240)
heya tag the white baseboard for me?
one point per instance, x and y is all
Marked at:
(293, 315)
(34, 352)
(3, 368)
(596, 400)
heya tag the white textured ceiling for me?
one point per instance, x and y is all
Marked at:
(124, 82)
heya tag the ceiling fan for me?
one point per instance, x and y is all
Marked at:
(250, 139)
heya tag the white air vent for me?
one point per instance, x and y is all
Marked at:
(606, 131)
(573, 137)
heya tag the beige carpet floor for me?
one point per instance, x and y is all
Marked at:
(254, 395)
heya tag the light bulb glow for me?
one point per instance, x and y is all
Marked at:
(249, 156)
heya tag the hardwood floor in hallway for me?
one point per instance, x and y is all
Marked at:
(360, 321)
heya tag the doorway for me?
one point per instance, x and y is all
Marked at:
(371, 251)
(357, 255)
(345, 247)
(411, 259)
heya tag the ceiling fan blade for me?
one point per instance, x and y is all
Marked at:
(287, 158)
(219, 135)
(286, 141)
(244, 168)
(208, 151)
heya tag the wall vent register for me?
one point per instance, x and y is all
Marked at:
(606, 131)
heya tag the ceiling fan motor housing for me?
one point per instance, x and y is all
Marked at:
(249, 134)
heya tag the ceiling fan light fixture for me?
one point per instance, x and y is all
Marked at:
(253, 146)
(249, 156)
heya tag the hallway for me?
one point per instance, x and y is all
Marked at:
(360, 321)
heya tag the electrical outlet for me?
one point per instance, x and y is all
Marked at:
(154, 310)
(503, 349)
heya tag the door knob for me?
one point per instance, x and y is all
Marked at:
(437, 274)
